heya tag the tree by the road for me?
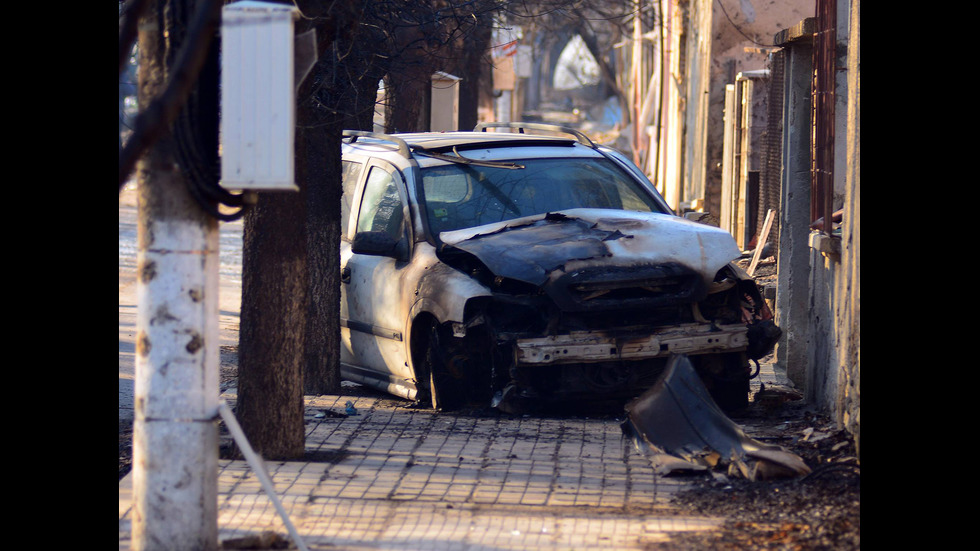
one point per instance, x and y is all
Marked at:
(289, 340)
(290, 332)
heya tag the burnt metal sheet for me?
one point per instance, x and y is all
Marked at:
(679, 427)
(535, 248)
(530, 252)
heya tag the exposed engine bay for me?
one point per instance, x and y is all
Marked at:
(574, 315)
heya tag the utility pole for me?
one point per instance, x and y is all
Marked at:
(175, 436)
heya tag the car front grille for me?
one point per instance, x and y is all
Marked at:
(640, 287)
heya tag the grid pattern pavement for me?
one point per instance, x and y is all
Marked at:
(394, 477)
(397, 477)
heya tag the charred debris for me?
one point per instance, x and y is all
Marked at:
(575, 316)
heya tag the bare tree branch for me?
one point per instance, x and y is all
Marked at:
(131, 13)
(154, 121)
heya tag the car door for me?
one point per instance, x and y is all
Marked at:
(374, 308)
(352, 172)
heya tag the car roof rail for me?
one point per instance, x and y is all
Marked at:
(521, 126)
(403, 148)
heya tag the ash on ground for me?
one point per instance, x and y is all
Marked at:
(821, 510)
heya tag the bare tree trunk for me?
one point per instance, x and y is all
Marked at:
(347, 84)
(273, 325)
(471, 68)
(290, 329)
(361, 116)
(408, 91)
(318, 173)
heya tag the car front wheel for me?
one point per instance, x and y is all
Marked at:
(445, 382)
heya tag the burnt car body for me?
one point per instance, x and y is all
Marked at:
(526, 270)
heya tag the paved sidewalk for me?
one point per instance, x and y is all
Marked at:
(396, 477)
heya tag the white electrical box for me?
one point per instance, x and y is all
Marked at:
(258, 103)
(444, 109)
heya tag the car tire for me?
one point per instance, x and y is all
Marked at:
(443, 388)
(731, 391)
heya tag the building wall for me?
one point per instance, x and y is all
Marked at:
(741, 40)
(698, 60)
(821, 349)
(849, 295)
(792, 279)
(822, 376)
(834, 368)
(818, 281)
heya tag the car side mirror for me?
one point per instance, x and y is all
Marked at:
(378, 243)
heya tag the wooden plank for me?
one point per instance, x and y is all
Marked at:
(761, 243)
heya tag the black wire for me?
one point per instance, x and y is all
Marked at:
(195, 123)
(747, 37)
(202, 174)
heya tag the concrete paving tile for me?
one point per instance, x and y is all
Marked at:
(400, 478)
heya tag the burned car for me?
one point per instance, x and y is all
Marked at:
(524, 270)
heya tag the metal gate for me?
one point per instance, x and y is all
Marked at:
(769, 185)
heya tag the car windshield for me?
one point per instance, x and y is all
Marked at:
(461, 196)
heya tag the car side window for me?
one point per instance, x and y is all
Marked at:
(381, 206)
(351, 174)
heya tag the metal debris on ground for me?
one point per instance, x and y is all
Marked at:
(680, 428)
(771, 397)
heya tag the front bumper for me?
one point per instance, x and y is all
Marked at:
(596, 346)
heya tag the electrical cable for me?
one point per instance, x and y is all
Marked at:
(737, 28)
(195, 131)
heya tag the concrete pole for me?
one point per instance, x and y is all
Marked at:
(175, 432)
(793, 275)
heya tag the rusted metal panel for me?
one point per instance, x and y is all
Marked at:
(824, 77)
